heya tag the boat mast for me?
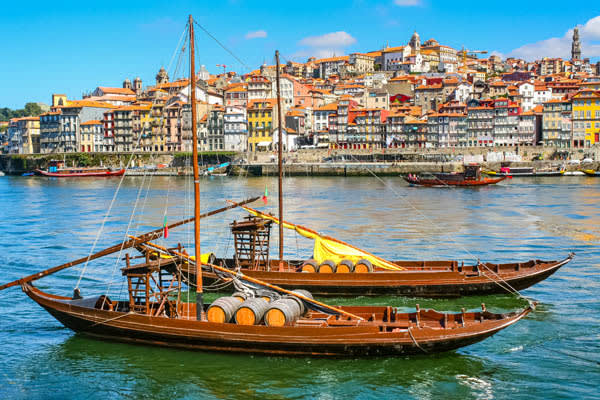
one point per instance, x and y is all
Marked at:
(199, 299)
(279, 156)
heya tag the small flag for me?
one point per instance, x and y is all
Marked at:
(165, 228)
(264, 198)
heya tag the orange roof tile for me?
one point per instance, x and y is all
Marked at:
(116, 90)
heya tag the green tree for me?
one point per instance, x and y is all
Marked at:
(32, 109)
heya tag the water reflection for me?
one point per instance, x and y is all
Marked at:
(147, 372)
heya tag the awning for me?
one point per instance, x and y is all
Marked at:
(263, 144)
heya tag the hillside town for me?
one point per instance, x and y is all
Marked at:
(416, 96)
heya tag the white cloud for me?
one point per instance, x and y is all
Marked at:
(407, 3)
(561, 46)
(325, 45)
(333, 39)
(256, 35)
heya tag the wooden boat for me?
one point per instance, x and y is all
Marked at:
(81, 172)
(591, 172)
(375, 276)
(470, 177)
(381, 331)
(155, 314)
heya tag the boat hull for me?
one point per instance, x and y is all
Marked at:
(81, 174)
(591, 172)
(436, 282)
(362, 339)
(440, 182)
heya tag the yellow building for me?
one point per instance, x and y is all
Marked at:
(586, 115)
(92, 136)
(30, 134)
(262, 118)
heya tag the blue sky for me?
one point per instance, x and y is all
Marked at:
(73, 46)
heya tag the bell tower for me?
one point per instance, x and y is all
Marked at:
(576, 46)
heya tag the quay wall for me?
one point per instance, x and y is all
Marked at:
(310, 162)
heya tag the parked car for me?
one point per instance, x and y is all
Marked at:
(587, 161)
(573, 162)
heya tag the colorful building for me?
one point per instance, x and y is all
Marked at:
(262, 117)
(586, 117)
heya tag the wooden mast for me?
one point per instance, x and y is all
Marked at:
(279, 156)
(199, 299)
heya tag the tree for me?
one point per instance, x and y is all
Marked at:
(30, 110)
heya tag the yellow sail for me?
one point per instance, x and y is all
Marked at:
(328, 248)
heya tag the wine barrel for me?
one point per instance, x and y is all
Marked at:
(240, 296)
(326, 267)
(345, 266)
(305, 293)
(363, 266)
(282, 312)
(222, 309)
(251, 311)
(310, 266)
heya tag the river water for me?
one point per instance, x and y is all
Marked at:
(552, 354)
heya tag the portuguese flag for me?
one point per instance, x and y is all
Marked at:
(165, 228)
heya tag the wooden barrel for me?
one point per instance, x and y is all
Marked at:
(310, 266)
(222, 309)
(363, 266)
(282, 312)
(345, 267)
(240, 296)
(251, 311)
(305, 293)
(327, 267)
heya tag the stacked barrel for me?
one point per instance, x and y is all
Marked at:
(266, 307)
(343, 267)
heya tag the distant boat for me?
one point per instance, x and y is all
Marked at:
(591, 172)
(2, 173)
(527, 171)
(28, 174)
(80, 172)
(217, 170)
(471, 177)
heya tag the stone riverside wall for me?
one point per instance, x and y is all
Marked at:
(311, 162)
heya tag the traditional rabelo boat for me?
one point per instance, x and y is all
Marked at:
(470, 177)
(55, 170)
(270, 320)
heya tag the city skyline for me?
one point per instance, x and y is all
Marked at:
(65, 50)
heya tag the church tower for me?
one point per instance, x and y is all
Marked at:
(127, 84)
(162, 76)
(576, 46)
(415, 42)
(137, 86)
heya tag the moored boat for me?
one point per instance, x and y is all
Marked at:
(470, 177)
(339, 269)
(527, 171)
(378, 331)
(591, 172)
(81, 172)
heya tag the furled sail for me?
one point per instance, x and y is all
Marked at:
(328, 248)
